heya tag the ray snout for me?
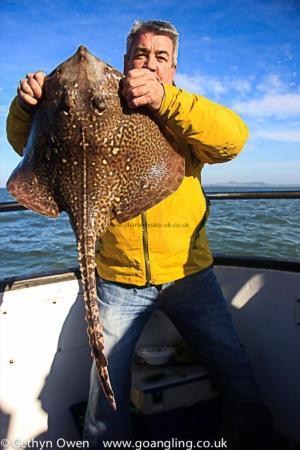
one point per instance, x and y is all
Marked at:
(82, 68)
(82, 52)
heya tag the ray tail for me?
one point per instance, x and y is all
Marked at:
(86, 249)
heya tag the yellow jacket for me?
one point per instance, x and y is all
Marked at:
(168, 241)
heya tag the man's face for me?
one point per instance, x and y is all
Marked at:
(153, 52)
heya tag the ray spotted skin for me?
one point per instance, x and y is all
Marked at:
(89, 155)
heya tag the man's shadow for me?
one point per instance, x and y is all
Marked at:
(68, 380)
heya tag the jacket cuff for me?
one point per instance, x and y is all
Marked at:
(170, 92)
(19, 112)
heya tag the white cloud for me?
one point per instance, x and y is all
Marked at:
(272, 84)
(191, 83)
(213, 86)
(218, 87)
(270, 105)
(277, 135)
(287, 52)
(242, 86)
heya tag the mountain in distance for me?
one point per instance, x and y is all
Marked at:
(247, 184)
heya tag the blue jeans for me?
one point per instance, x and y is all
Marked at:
(196, 306)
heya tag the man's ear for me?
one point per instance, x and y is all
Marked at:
(174, 73)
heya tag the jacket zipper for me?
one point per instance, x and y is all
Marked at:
(145, 249)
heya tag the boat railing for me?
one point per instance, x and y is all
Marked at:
(219, 259)
(250, 195)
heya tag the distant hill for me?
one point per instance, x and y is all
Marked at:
(247, 184)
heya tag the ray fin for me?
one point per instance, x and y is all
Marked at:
(154, 187)
(28, 190)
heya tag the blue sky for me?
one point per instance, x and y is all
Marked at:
(241, 53)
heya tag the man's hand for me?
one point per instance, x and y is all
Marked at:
(142, 87)
(30, 90)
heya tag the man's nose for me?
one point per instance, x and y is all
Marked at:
(150, 63)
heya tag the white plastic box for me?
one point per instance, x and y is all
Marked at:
(164, 388)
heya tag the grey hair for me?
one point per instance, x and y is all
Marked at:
(156, 27)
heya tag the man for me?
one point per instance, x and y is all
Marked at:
(142, 267)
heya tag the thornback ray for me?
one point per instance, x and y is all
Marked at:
(91, 156)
